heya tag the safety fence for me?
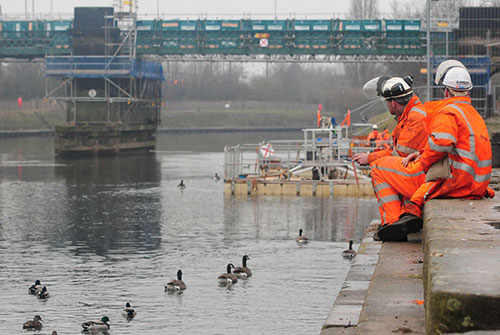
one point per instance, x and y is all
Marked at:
(325, 153)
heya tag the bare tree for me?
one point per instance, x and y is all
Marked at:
(364, 9)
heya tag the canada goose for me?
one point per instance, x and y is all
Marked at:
(43, 294)
(216, 177)
(35, 288)
(228, 277)
(349, 253)
(243, 271)
(300, 238)
(35, 324)
(96, 326)
(176, 284)
(128, 312)
(181, 184)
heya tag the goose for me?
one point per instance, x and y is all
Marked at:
(216, 177)
(176, 284)
(300, 238)
(43, 294)
(35, 288)
(181, 185)
(128, 312)
(96, 326)
(349, 253)
(228, 277)
(243, 271)
(35, 324)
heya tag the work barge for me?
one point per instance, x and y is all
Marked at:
(320, 165)
(112, 97)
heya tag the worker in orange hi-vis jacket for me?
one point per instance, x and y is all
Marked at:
(374, 137)
(455, 163)
(409, 112)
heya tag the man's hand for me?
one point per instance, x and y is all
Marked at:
(414, 156)
(361, 158)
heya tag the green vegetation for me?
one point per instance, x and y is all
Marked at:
(238, 118)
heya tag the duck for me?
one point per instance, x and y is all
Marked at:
(128, 312)
(349, 253)
(216, 177)
(43, 294)
(181, 184)
(176, 284)
(243, 271)
(227, 278)
(35, 324)
(300, 238)
(96, 326)
(35, 288)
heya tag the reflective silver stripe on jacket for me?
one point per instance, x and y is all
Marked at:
(444, 136)
(406, 150)
(418, 110)
(381, 186)
(399, 172)
(439, 148)
(388, 198)
(480, 178)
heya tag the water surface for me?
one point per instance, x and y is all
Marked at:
(100, 232)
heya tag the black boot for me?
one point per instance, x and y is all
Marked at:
(407, 224)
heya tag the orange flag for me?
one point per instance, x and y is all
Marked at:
(347, 120)
(319, 114)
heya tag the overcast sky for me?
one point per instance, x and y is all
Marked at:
(322, 8)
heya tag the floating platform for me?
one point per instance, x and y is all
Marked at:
(103, 139)
(305, 188)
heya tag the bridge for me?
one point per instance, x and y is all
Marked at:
(327, 40)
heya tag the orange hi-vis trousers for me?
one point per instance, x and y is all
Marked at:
(394, 185)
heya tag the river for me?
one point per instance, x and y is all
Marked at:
(100, 232)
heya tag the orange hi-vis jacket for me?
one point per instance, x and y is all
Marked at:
(458, 131)
(374, 135)
(409, 135)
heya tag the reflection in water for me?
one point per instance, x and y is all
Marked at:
(100, 232)
(114, 202)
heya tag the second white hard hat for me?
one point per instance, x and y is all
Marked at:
(444, 67)
(374, 127)
(457, 79)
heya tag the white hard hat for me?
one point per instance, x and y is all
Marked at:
(457, 79)
(375, 127)
(444, 67)
(396, 87)
(388, 87)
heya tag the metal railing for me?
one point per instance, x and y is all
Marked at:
(325, 153)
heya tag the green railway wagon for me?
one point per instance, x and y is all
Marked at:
(360, 36)
(270, 35)
(412, 38)
(220, 35)
(145, 35)
(59, 33)
(312, 34)
(188, 37)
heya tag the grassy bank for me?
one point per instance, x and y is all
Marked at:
(47, 119)
(238, 118)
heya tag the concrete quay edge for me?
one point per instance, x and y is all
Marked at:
(462, 265)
